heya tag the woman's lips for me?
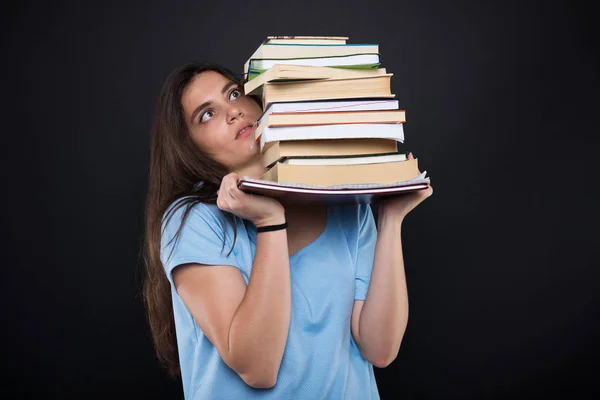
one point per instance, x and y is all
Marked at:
(245, 132)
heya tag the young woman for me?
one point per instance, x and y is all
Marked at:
(248, 298)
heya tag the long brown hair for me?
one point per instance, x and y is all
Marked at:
(176, 167)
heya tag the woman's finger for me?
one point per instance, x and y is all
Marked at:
(236, 193)
(231, 177)
(411, 156)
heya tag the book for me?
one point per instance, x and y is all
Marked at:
(268, 135)
(293, 50)
(331, 175)
(353, 61)
(296, 50)
(331, 126)
(334, 117)
(327, 148)
(283, 72)
(328, 106)
(354, 159)
(328, 89)
(293, 193)
(316, 40)
(307, 39)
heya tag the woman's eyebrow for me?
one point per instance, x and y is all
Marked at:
(198, 109)
(207, 103)
(226, 87)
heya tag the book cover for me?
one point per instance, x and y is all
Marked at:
(289, 193)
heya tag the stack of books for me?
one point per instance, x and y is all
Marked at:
(331, 126)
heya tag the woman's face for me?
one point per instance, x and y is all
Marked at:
(220, 119)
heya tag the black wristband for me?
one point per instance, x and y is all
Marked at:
(270, 228)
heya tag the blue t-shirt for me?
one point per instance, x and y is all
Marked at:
(321, 359)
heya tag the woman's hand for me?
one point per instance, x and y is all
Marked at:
(400, 205)
(260, 210)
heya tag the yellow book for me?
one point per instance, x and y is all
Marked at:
(282, 72)
(331, 175)
(328, 89)
(335, 117)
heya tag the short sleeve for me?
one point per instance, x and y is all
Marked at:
(365, 252)
(205, 238)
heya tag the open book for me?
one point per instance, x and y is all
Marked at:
(341, 194)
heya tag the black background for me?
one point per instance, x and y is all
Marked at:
(502, 261)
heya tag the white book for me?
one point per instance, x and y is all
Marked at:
(344, 160)
(301, 40)
(342, 131)
(287, 51)
(290, 50)
(331, 106)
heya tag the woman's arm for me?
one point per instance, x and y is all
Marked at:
(248, 325)
(379, 322)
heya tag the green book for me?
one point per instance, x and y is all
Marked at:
(253, 73)
(354, 61)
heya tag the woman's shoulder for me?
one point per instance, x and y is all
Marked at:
(187, 209)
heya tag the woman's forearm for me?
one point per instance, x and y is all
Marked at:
(384, 314)
(259, 329)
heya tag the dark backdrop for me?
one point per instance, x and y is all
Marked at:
(502, 262)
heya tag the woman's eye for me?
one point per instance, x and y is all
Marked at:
(206, 116)
(235, 94)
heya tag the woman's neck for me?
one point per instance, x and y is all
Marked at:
(253, 169)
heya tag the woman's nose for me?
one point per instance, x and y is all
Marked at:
(234, 112)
